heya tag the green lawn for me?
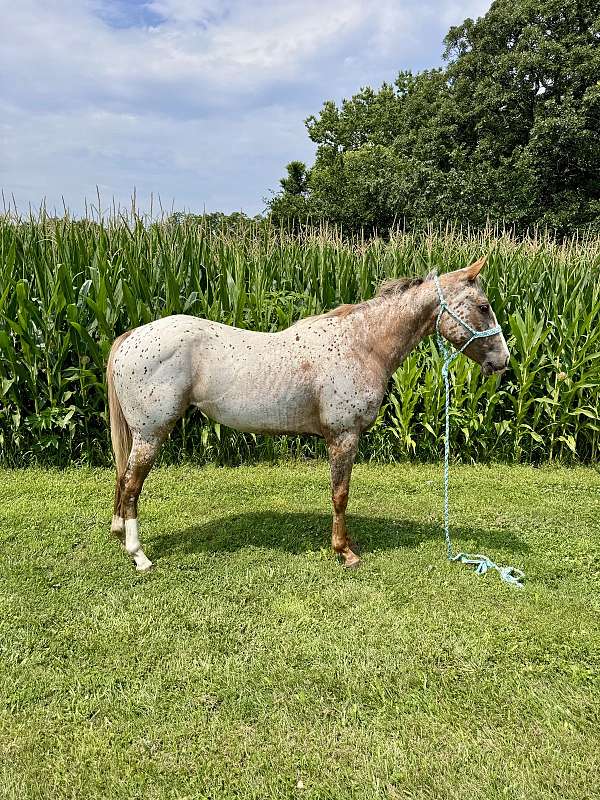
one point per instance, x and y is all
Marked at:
(249, 664)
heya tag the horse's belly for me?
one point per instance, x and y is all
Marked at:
(248, 406)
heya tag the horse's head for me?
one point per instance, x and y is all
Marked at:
(464, 296)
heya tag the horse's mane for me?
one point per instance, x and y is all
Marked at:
(397, 286)
(389, 287)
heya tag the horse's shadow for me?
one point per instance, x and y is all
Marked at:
(301, 532)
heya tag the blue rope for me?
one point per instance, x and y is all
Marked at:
(481, 563)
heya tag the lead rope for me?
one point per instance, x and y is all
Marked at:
(481, 563)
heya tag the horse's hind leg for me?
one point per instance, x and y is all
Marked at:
(142, 457)
(342, 451)
(117, 527)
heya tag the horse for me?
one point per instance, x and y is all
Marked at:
(324, 375)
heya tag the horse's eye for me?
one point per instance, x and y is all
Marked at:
(484, 308)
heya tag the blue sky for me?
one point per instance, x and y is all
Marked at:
(198, 102)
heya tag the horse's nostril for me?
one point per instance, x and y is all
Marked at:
(506, 360)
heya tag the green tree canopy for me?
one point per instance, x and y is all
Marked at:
(509, 131)
(291, 206)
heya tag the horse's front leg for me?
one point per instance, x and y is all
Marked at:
(342, 451)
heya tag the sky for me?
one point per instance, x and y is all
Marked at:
(194, 104)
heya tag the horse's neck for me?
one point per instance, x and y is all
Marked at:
(395, 325)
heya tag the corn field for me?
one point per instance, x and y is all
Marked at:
(69, 287)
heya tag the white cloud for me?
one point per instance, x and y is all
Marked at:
(191, 163)
(196, 99)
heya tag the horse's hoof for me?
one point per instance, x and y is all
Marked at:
(351, 561)
(144, 568)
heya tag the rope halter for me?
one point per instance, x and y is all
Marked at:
(481, 563)
(444, 307)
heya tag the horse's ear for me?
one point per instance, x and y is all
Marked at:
(475, 268)
(430, 275)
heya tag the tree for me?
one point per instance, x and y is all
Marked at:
(508, 131)
(290, 207)
(526, 83)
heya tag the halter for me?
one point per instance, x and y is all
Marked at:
(481, 563)
(449, 358)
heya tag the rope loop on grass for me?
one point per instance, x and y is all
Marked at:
(481, 563)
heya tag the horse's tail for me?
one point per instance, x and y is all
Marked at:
(120, 432)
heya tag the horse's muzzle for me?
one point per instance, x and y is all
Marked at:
(493, 367)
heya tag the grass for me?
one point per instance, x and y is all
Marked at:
(249, 664)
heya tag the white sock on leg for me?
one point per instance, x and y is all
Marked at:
(133, 547)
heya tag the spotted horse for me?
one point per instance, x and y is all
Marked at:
(325, 375)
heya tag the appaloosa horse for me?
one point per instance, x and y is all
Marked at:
(325, 375)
